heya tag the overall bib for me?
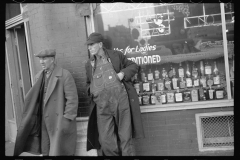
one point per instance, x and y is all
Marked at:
(113, 110)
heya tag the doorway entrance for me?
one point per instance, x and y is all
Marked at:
(19, 77)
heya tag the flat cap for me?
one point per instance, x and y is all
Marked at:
(46, 53)
(94, 38)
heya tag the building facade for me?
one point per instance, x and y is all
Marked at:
(158, 37)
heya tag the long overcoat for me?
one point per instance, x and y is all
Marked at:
(120, 63)
(59, 112)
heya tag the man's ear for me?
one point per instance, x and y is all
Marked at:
(100, 44)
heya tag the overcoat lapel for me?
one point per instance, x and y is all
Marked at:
(114, 60)
(52, 83)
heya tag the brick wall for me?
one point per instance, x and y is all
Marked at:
(59, 26)
(173, 133)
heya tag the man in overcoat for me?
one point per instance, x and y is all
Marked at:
(48, 125)
(114, 106)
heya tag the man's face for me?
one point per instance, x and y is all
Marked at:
(46, 62)
(94, 48)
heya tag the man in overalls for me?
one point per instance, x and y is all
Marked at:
(108, 77)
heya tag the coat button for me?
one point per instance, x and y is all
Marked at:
(132, 100)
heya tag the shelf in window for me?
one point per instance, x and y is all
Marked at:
(187, 105)
(185, 89)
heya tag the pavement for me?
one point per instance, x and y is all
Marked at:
(9, 147)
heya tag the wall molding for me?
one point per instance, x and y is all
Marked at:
(178, 106)
(189, 105)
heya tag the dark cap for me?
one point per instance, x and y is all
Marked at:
(46, 53)
(94, 38)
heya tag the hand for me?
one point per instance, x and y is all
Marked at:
(120, 75)
(65, 124)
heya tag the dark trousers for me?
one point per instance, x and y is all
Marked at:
(113, 111)
(45, 141)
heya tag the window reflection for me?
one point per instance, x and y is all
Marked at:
(160, 36)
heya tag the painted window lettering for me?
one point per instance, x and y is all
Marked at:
(146, 59)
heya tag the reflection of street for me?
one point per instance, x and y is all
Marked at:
(207, 53)
(159, 23)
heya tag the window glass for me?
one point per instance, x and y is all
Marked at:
(12, 10)
(166, 37)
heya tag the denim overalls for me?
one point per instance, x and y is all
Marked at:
(112, 110)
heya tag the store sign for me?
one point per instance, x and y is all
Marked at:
(140, 55)
(146, 59)
(142, 50)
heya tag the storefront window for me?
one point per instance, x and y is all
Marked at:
(178, 47)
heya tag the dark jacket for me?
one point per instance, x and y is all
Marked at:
(59, 111)
(120, 63)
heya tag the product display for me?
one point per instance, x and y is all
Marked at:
(178, 96)
(168, 83)
(153, 99)
(219, 93)
(146, 85)
(187, 96)
(216, 78)
(158, 98)
(180, 71)
(194, 94)
(163, 98)
(145, 99)
(185, 84)
(156, 74)
(150, 75)
(182, 83)
(170, 97)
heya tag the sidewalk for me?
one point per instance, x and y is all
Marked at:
(9, 147)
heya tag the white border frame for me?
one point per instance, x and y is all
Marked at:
(199, 129)
(225, 49)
